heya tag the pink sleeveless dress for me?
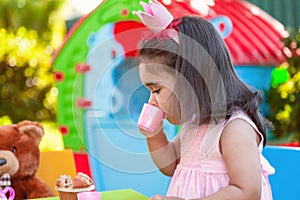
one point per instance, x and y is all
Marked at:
(202, 171)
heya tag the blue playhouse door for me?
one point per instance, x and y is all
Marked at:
(118, 153)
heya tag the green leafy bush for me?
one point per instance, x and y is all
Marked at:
(30, 31)
(284, 95)
(26, 82)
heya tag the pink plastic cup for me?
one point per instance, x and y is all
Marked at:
(89, 195)
(150, 118)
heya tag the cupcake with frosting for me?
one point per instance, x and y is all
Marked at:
(68, 187)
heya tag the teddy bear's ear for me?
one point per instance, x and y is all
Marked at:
(33, 129)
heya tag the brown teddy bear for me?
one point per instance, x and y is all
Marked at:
(19, 160)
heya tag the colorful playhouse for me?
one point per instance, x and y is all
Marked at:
(100, 95)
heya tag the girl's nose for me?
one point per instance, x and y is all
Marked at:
(152, 100)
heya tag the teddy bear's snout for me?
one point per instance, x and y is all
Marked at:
(2, 161)
(8, 163)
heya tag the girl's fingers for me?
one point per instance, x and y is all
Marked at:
(157, 197)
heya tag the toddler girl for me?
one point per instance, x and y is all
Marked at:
(217, 154)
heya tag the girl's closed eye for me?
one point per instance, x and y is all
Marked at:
(156, 91)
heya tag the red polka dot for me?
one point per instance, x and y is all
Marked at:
(124, 12)
(64, 130)
(59, 76)
(222, 27)
(113, 53)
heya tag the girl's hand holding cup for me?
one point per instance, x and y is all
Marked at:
(150, 121)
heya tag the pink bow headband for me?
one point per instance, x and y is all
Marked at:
(158, 20)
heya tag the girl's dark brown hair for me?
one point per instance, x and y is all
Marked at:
(203, 62)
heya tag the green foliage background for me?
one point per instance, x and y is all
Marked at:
(284, 95)
(30, 31)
